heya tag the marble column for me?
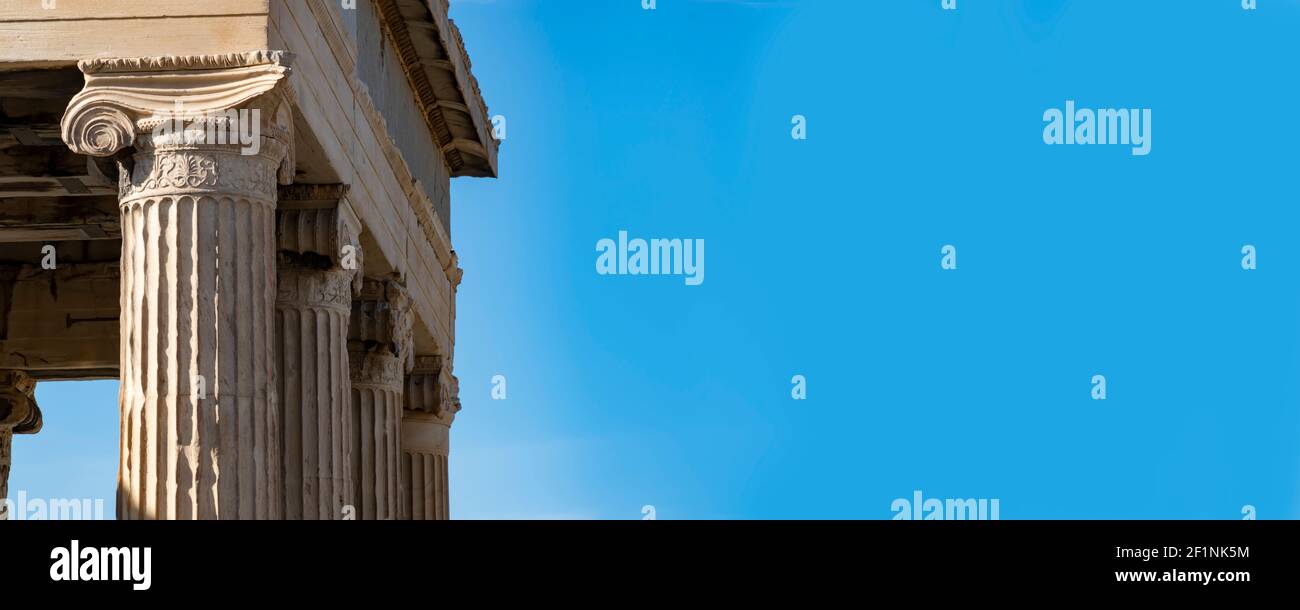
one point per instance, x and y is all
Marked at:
(319, 257)
(6, 460)
(19, 414)
(212, 137)
(379, 355)
(431, 403)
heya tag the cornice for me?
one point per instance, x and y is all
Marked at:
(464, 156)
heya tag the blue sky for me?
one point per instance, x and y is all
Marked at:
(823, 259)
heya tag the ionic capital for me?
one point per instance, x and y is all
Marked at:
(18, 409)
(316, 227)
(432, 389)
(381, 320)
(176, 100)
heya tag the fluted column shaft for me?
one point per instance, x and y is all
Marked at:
(378, 358)
(314, 390)
(311, 347)
(431, 404)
(424, 466)
(376, 433)
(200, 429)
(6, 460)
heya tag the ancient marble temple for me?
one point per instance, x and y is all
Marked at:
(240, 209)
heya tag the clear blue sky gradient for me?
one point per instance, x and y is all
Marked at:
(924, 129)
